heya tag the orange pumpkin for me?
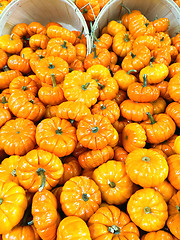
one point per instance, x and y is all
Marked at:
(173, 87)
(38, 41)
(94, 158)
(133, 137)
(112, 223)
(135, 111)
(89, 8)
(149, 41)
(159, 105)
(57, 136)
(159, 128)
(82, 192)
(166, 190)
(147, 209)
(173, 110)
(8, 169)
(39, 170)
(51, 111)
(45, 216)
(115, 188)
(163, 87)
(80, 87)
(125, 79)
(95, 132)
(17, 137)
(4, 58)
(10, 44)
(7, 77)
(140, 165)
(159, 235)
(174, 174)
(36, 28)
(5, 116)
(120, 154)
(13, 204)
(136, 59)
(174, 218)
(73, 110)
(72, 228)
(25, 105)
(19, 63)
(174, 69)
(107, 108)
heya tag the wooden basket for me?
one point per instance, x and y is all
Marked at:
(150, 8)
(64, 12)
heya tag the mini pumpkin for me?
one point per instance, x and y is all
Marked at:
(166, 190)
(10, 44)
(19, 63)
(173, 87)
(159, 105)
(159, 235)
(174, 175)
(83, 192)
(124, 79)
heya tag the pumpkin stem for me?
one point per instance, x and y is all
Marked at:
(51, 66)
(18, 132)
(94, 51)
(103, 107)
(71, 69)
(59, 131)
(132, 70)
(178, 208)
(93, 33)
(5, 68)
(122, 5)
(126, 38)
(152, 59)
(80, 35)
(30, 223)
(111, 184)
(133, 55)
(151, 64)
(1, 5)
(94, 129)
(31, 101)
(147, 210)
(114, 229)
(13, 173)
(41, 57)
(101, 86)
(162, 39)
(26, 214)
(40, 172)
(146, 159)
(156, 18)
(53, 80)
(85, 197)
(151, 118)
(84, 11)
(11, 37)
(71, 121)
(144, 80)
(146, 24)
(1, 200)
(24, 88)
(85, 86)
(22, 55)
(64, 45)
(4, 100)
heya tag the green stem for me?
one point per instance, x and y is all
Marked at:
(129, 11)
(152, 59)
(4, 100)
(146, 159)
(59, 131)
(5, 68)
(31, 101)
(178, 208)
(53, 78)
(22, 55)
(30, 223)
(84, 11)
(146, 24)
(126, 38)
(133, 55)
(85, 197)
(144, 80)
(40, 172)
(147, 210)
(13, 173)
(85, 86)
(1, 200)
(80, 35)
(41, 57)
(101, 86)
(114, 229)
(132, 70)
(24, 88)
(64, 45)
(151, 118)
(112, 184)
(162, 39)
(71, 69)
(94, 51)
(103, 107)
(51, 66)
(94, 129)
(71, 121)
